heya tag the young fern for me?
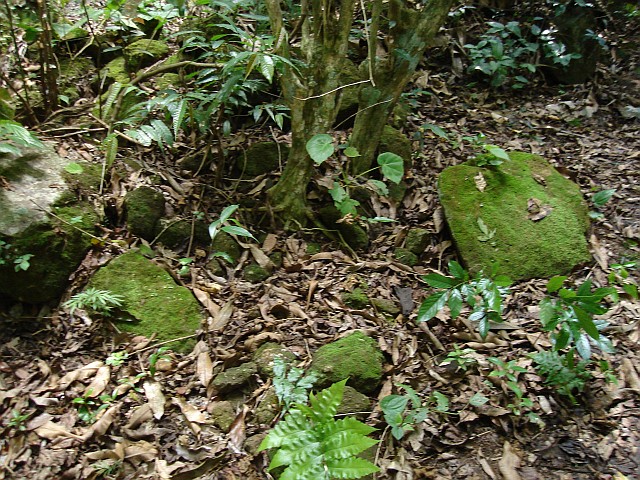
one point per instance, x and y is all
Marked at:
(312, 444)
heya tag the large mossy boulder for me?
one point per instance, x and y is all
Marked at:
(356, 357)
(522, 216)
(40, 217)
(145, 208)
(143, 53)
(155, 303)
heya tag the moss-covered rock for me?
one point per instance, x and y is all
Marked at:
(357, 299)
(235, 378)
(143, 53)
(394, 141)
(115, 71)
(356, 357)
(385, 305)
(353, 402)
(157, 305)
(144, 207)
(74, 73)
(417, 240)
(261, 158)
(405, 256)
(226, 243)
(175, 232)
(267, 409)
(222, 414)
(263, 357)
(397, 191)
(168, 80)
(56, 243)
(536, 218)
(352, 233)
(254, 273)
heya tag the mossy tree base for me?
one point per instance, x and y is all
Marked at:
(527, 243)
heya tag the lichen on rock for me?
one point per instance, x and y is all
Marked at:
(535, 218)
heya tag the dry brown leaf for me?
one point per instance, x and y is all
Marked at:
(599, 253)
(221, 319)
(99, 382)
(140, 415)
(101, 426)
(480, 182)
(51, 431)
(155, 397)
(269, 243)
(205, 300)
(79, 375)
(140, 451)
(509, 462)
(204, 368)
(237, 431)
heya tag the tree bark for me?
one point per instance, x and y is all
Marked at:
(409, 38)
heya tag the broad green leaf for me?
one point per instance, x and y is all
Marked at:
(567, 294)
(379, 186)
(349, 424)
(267, 67)
(338, 193)
(294, 425)
(177, 116)
(497, 152)
(351, 152)
(380, 220)
(455, 303)
(392, 166)
(74, 168)
(631, 290)
(320, 147)
(8, 148)
(110, 144)
(350, 468)
(602, 197)
(435, 129)
(345, 444)
(547, 311)
(439, 281)
(235, 230)
(432, 305)
(586, 322)
(457, 271)
(583, 346)
(585, 289)
(394, 404)
(348, 206)
(555, 283)
(442, 402)
(227, 212)
(478, 400)
(502, 281)
(163, 132)
(483, 327)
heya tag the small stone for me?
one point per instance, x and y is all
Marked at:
(222, 414)
(261, 158)
(263, 357)
(255, 273)
(356, 299)
(354, 402)
(417, 240)
(356, 357)
(405, 256)
(267, 409)
(144, 207)
(394, 141)
(385, 305)
(235, 378)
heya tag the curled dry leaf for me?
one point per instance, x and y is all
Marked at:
(99, 382)
(140, 415)
(221, 319)
(509, 462)
(100, 427)
(204, 368)
(78, 375)
(205, 300)
(237, 431)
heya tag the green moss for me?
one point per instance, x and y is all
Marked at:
(115, 71)
(73, 73)
(352, 233)
(173, 233)
(405, 256)
(394, 141)
(261, 158)
(263, 357)
(152, 298)
(57, 249)
(267, 409)
(143, 53)
(357, 299)
(226, 243)
(522, 248)
(385, 305)
(223, 414)
(255, 273)
(417, 240)
(145, 207)
(356, 357)
(168, 80)
(87, 182)
(235, 378)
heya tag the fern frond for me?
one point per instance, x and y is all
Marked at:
(178, 115)
(114, 90)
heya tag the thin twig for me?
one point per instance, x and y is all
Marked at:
(334, 90)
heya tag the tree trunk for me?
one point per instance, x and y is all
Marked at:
(410, 37)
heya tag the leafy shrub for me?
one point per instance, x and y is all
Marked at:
(562, 372)
(484, 295)
(311, 443)
(506, 54)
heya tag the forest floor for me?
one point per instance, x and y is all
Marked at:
(48, 358)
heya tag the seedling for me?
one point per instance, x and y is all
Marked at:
(619, 275)
(462, 358)
(117, 358)
(89, 407)
(99, 301)
(18, 420)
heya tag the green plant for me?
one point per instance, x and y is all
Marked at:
(391, 166)
(117, 358)
(89, 407)
(7, 254)
(107, 468)
(402, 418)
(311, 443)
(484, 295)
(569, 316)
(99, 301)
(619, 275)
(462, 358)
(599, 199)
(509, 372)
(185, 266)
(292, 386)
(222, 224)
(507, 54)
(18, 420)
(562, 372)
(159, 354)
(13, 134)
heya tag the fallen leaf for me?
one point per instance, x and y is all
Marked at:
(221, 319)
(78, 375)
(99, 383)
(155, 397)
(508, 463)
(205, 300)
(237, 431)
(204, 368)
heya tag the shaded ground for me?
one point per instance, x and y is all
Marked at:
(48, 358)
